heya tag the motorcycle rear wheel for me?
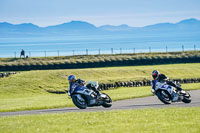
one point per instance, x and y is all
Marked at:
(78, 103)
(164, 96)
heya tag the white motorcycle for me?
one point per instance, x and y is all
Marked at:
(84, 96)
(168, 94)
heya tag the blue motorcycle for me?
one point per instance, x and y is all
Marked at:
(85, 96)
(168, 94)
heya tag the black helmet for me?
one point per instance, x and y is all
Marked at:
(155, 74)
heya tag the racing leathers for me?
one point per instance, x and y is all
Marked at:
(80, 83)
(75, 84)
(162, 78)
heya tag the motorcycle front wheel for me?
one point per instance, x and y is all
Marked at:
(80, 103)
(187, 98)
(164, 96)
(107, 101)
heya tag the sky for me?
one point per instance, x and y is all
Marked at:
(136, 13)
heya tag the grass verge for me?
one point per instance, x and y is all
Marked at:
(165, 120)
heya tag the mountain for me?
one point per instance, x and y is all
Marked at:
(29, 29)
(72, 28)
(6, 25)
(73, 25)
(185, 27)
(19, 30)
(160, 27)
(122, 27)
(189, 24)
(24, 26)
(191, 21)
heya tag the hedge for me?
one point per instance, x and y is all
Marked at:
(105, 63)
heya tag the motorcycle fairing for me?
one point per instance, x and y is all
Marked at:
(87, 93)
(164, 86)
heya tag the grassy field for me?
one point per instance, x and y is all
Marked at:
(165, 120)
(27, 90)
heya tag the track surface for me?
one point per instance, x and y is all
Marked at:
(137, 103)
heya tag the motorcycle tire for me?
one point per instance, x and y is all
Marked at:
(187, 98)
(166, 99)
(78, 103)
(108, 102)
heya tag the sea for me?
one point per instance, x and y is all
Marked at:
(94, 45)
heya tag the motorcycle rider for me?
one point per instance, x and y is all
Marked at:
(74, 83)
(161, 78)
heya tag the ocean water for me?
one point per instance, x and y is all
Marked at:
(93, 44)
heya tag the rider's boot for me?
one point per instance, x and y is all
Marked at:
(98, 94)
(180, 90)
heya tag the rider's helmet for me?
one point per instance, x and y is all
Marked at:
(71, 78)
(155, 74)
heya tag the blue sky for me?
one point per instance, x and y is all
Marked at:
(98, 12)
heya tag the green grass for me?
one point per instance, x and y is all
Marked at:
(165, 120)
(44, 101)
(27, 90)
(39, 81)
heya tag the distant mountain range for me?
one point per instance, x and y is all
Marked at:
(183, 28)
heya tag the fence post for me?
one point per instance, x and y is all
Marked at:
(182, 48)
(15, 55)
(45, 54)
(99, 52)
(29, 53)
(86, 51)
(194, 47)
(111, 50)
(149, 49)
(134, 50)
(166, 49)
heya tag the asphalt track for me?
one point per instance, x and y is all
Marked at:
(137, 103)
